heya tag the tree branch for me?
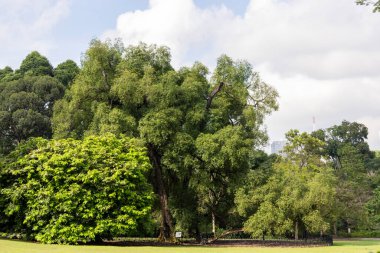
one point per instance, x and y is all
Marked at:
(213, 94)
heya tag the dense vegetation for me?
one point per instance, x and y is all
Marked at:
(70, 191)
(130, 146)
(27, 96)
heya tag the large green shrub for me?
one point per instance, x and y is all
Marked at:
(72, 191)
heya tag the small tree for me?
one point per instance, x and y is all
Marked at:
(299, 195)
(71, 191)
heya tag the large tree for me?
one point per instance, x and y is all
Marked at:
(135, 91)
(352, 160)
(27, 96)
(26, 106)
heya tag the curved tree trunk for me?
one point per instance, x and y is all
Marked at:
(229, 232)
(166, 226)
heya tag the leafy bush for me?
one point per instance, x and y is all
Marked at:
(71, 191)
(361, 234)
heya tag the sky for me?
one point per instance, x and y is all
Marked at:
(322, 56)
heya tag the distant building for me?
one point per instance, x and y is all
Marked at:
(277, 146)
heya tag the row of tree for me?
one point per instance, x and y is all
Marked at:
(195, 143)
(324, 182)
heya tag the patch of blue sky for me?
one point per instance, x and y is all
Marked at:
(236, 6)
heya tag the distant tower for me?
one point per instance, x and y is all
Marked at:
(314, 128)
(277, 146)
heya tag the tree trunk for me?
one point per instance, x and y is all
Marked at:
(213, 223)
(198, 236)
(213, 94)
(166, 226)
(296, 231)
(335, 229)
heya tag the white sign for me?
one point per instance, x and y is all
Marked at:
(178, 234)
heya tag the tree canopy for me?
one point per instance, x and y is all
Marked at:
(26, 106)
(353, 163)
(298, 196)
(35, 64)
(27, 96)
(185, 120)
(66, 71)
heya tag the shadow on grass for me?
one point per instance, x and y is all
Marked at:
(351, 243)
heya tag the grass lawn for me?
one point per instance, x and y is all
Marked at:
(358, 246)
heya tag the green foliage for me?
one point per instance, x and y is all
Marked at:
(73, 115)
(35, 64)
(66, 72)
(354, 163)
(226, 155)
(375, 4)
(26, 106)
(304, 148)
(373, 209)
(299, 195)
(13, 223)
(6, 74)
(256, 177)
(361, 234)
(71, 191)
(135, 91)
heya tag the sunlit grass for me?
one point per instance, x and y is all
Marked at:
(357, 246)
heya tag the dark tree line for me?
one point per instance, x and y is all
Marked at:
(27, 96)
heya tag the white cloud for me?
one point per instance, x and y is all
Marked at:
(25, 25)
(50, 16)
(373, 124)
(330, 101)
(322, 56)
(188, 30)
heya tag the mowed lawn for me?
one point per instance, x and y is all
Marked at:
(360, 246)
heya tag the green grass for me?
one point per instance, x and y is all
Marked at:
(357, 246)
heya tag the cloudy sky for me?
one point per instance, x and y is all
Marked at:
(322, 56)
